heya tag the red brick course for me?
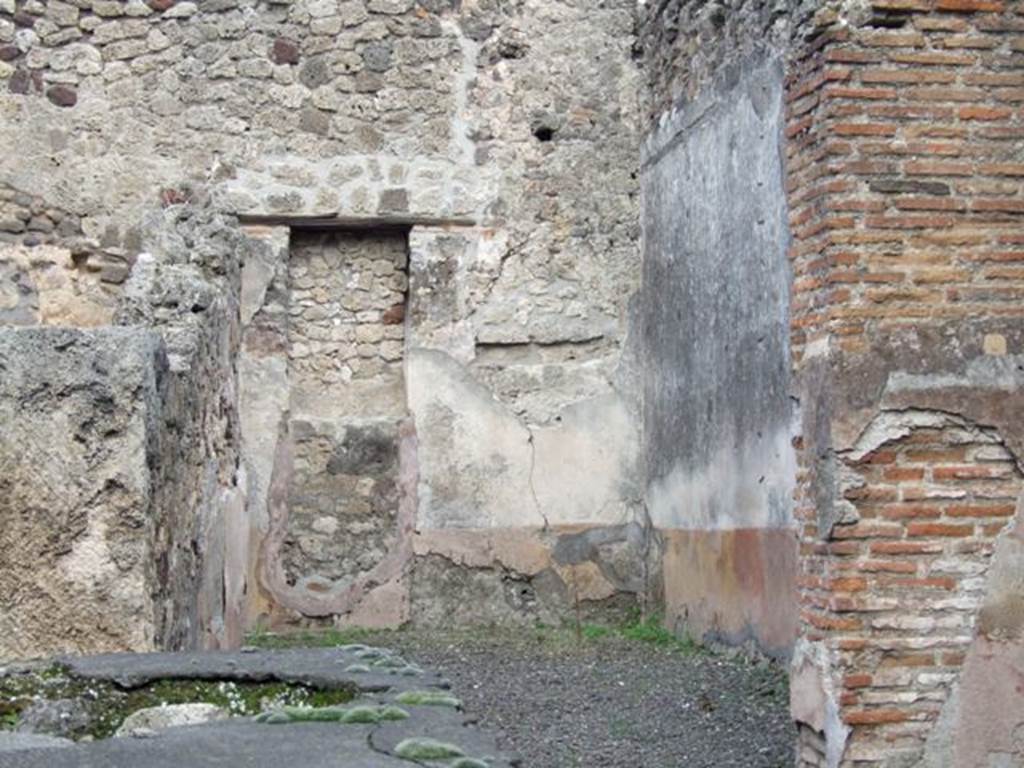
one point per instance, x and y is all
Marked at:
(904, 596)
(906, 197)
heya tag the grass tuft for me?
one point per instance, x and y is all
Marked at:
(644, 630)
(321, 638)
(428, 699)
(391, 712)
(426, 749)
(596, 631)
(361, 714)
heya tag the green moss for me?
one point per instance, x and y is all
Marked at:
(315, 714)
(361, 715)
(390, 662)
(426, 749)
(108, 705)
(596, 631)
(652, 630)
(54, 672)
(393, 713)
(649, 630)
(328, 697)
(357, 715)
(428, 698)
(326, 638)
(468, 762)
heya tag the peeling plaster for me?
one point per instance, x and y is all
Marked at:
(814, 697)
(891, 426)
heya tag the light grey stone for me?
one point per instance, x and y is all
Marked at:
(137, 8)
(12, 741)
(146, 722)
(108, 8)
(58, 717)
(181, 11)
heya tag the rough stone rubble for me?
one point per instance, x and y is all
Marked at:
(330, 312)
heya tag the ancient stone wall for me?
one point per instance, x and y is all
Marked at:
(433, 109)
(185, 284)
(46, 285)
(904, 125)
(129, 500)
(452, 127)
(415, 492)
(105, 470)
(345, 349)
(77, 543)
(901, 143)
(719, 420)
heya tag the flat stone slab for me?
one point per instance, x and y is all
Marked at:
(441, 724)
(240, 742)
(318, 667)
(236, 745)
(16, 742)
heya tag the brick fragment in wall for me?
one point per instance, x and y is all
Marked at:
(285, 51)
(912, 203)
(62, 96)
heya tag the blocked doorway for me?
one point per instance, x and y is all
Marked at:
(345, 343)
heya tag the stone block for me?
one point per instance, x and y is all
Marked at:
(80, 410)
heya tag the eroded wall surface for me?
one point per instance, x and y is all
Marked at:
(902, 127)
(78, 535)
(474, 422)
(347, 401)
(718, 413)
(903, 158)
(119, 444)
(109, 497)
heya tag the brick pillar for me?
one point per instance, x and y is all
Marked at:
(905, 168)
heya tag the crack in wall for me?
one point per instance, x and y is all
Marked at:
(649, 534)
(533, 464)
(492, 282)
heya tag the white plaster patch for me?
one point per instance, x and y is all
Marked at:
(750, 487)
(813, 697)
(890, 426)
(481, 467)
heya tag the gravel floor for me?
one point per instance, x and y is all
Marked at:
(614, 701)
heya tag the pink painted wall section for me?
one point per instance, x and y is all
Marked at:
(734, 586)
